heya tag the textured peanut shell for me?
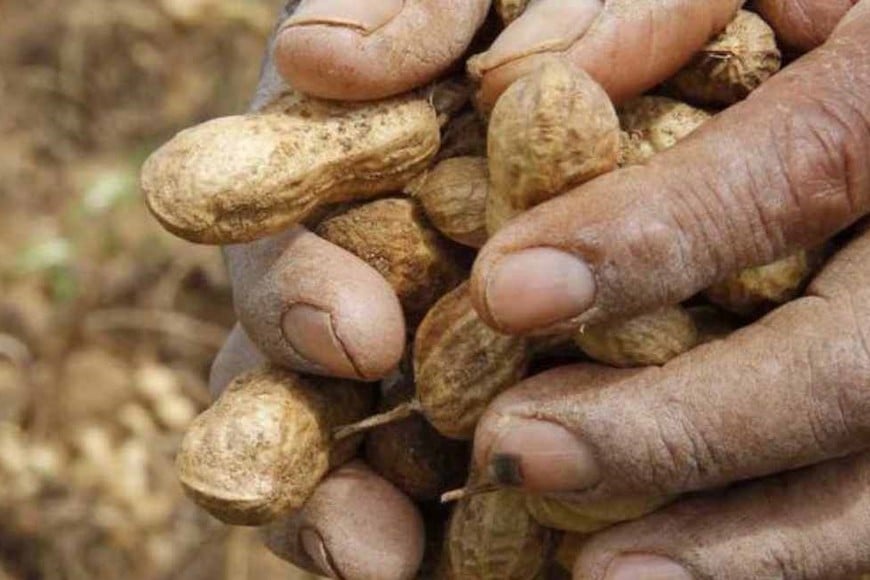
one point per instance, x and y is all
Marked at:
(510, 10)
(261, 449)
(491, 536)
(552, 129)
(461, 364)
(649, 339)
(237, 179)
(585, 519)
(652, 124)
(463, 136)
(730, 66)
(755, 290)
(411, 454)
(395, 238)
(453, 195)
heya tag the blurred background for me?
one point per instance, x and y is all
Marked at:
(108, 324)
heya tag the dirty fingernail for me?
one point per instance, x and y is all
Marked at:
(645, 567)
(537, 287)
(310, 332)
(365, 17)
(313, 545)
(541, 456)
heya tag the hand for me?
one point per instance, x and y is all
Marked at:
(786, 169)
(311, 306)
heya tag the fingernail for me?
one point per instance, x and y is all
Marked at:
(535, 288)
(645, 567)
(541, 456)
(546, 26)
(365, 16)
(310, 333)
(314, 546)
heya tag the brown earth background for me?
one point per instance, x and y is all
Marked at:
(107, 324)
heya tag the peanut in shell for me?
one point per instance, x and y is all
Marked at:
(237, 179)
(652, 124)
(648, 339)
(453, 194)
(730, 66)
(551, 130)
(461, 364)
(491, 536)
(394, 237)
(261, 449)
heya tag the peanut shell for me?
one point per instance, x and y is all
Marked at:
(395, 238)
(588, 518)
(237, 179)
(552, 129)
(411, 454)
(649, 339)
(755, 290)
(732, 65)
(461, 364)
(261, 449)
(453, 195)
(652, 124)
(491, 536)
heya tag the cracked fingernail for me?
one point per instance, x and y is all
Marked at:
(310, 333)
(314, 546)
(365, 16)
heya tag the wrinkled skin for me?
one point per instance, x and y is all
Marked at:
(784, 170)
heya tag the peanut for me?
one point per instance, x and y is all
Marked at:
(237, 179)
(393, 236)
(649, 339)
(732, 65)
(261, 449)
(461, 364)
(755, 290)
(651, 125)
(491, 536)
(411, 454)
(552, 129)
(453, 194)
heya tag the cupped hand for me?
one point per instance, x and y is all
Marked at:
(309, 305)
(787, 397)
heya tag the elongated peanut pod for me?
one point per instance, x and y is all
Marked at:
(237, 179)
(395, 238)
(492, 537)
(730, 66)
(461, 364)
(649, 339)
(453, 194)
(261, 449)
(551, 130)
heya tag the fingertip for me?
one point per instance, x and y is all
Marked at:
(531, 289)
(237, 355)
(356, 525)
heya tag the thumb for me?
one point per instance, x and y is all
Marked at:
(783, 170)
